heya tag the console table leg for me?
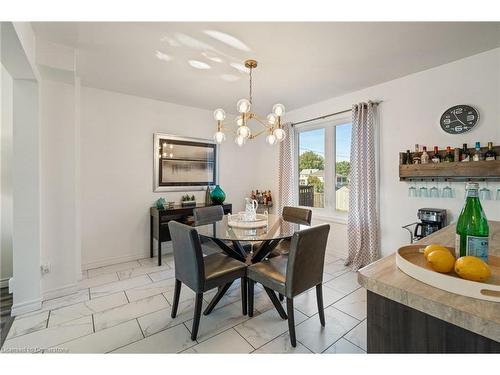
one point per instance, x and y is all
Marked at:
(159, 253)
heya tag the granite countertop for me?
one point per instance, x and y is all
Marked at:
(479, 316)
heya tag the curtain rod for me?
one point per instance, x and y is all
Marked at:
(329, 115)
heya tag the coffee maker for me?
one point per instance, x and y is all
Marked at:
(431, 220)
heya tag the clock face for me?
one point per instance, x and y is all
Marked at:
(459, 119)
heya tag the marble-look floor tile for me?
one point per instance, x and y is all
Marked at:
(329, 258)
(282, 345)
(343, 346)
(113, 268)
(70, 299)
(219, 320)
(335, 268)
(307, 302)
(120, 314)
(148, 290)
(161, 319)
(78, 310)
(143, 270)
(28, 324)
(232, 295)
(318, 338)
(98, 280)
(118, 286)
(162, 275)
(358, 335)
(186, 293)
(265, 327)
(262, 302)
(226, 342)
(106, 340)
(353, 304)
(346, 283)
(50, 337)
(172, 340)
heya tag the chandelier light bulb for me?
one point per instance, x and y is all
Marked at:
(239, 120)
(271, 119)
(279, 109)
(240, 141)
(279, 134)
(243, 106)
(243, 131)
(271, 139)
(219, 137)
(219, 114)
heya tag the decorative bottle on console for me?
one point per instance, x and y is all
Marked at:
(424, 158)
(477, 154)
(436, 158)
(490, 154)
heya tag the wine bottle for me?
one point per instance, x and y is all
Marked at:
(477, 154)
(424, 158)
(436, 158)
(448, 158)
(465, 156)
(490, 154)
(472, 229)
(409, 159)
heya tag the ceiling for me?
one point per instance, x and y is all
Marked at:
(196, 64)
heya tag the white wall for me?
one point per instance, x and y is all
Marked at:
(6, 177)
(59, 245)
(410, 114)
(117, 169)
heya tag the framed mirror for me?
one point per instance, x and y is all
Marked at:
(183, 163)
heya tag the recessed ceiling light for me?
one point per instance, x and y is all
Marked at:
(198, 64)
(229, 77)
(211, 56)
(162, 56)
(171, 41)
(227, 39)
(239, 67)
(191, 42)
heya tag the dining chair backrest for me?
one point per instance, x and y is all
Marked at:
(208, 215)
(188, 256)
(306, 259)
(297, 215)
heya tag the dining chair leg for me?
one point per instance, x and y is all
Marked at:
(244, 289)
(321, 309)
(217, 298)
(197, 315)
(282, 297)
(276, 302)
(251, 285)
(177, 293)
(291, 321)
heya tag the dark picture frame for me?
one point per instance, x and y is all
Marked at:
(184, 163)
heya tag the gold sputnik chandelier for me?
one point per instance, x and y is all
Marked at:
(272, 124)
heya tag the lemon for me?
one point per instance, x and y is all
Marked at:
(472, 268)
(430, 248)
(441, 260)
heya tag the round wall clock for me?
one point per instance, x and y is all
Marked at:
(459, 119)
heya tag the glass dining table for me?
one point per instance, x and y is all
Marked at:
(263, 240)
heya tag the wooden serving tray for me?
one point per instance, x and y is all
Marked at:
(410, 259)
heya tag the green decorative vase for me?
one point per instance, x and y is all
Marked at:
(217, 196)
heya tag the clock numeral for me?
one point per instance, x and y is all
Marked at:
(458, 128)
(470, 117)
(447, 121)
(458, 111)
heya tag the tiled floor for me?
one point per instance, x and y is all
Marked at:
(125, 308)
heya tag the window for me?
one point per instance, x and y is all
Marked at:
(323, 163)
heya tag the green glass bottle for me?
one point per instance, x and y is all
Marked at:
(472, 227)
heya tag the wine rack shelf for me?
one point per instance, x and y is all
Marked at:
(456, 171)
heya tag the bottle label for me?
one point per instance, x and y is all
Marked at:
(477, 247)
(457, 246)
(472, 193)
(490, 158)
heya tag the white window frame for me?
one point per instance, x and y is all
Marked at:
(329, 211)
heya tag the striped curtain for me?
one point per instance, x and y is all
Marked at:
(362, 221)
(287, 168)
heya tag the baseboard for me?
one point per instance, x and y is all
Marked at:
(59, 292)
(26, 307)
(166, 249)
(4, 283)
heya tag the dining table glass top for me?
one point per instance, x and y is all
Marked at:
(277, 228)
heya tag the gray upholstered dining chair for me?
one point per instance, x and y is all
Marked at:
(208, 215)
(295, 215)
(291, 275)
(200, 273)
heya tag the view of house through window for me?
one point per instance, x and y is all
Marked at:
(324, 156)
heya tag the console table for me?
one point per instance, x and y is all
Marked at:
(159, 222)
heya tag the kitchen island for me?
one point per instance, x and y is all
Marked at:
(405, 315)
